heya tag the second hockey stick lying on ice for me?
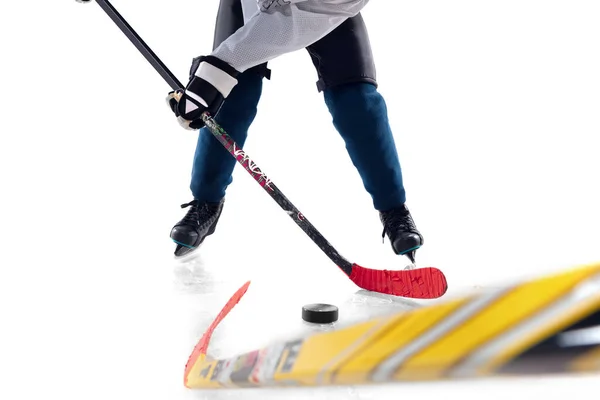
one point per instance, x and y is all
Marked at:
(424, 283)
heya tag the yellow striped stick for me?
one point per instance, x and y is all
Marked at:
(545, 325)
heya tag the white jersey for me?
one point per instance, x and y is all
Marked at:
(275, 27)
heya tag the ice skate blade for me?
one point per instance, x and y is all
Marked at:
(185, 253)
(411, 254)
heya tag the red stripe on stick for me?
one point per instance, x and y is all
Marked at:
(202, 345)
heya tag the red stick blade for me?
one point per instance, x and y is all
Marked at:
(419, 283)
(202, 344)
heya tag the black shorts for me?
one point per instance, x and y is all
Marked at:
(343, 56)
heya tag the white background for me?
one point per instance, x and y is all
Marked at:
(494, 106)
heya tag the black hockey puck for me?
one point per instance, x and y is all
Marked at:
(320, 313)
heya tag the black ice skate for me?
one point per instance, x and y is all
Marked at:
(402, 232)
(199, 222)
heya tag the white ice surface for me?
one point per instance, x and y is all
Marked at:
(495, 110)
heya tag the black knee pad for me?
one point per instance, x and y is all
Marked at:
(344, 55)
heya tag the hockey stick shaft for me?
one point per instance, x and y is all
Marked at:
(137, 41)
(423, 283)
(276, 194)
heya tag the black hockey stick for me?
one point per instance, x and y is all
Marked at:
(416, 283)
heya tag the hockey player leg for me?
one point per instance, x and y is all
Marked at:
(213, 165)
(346, 70)
(360, 115)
